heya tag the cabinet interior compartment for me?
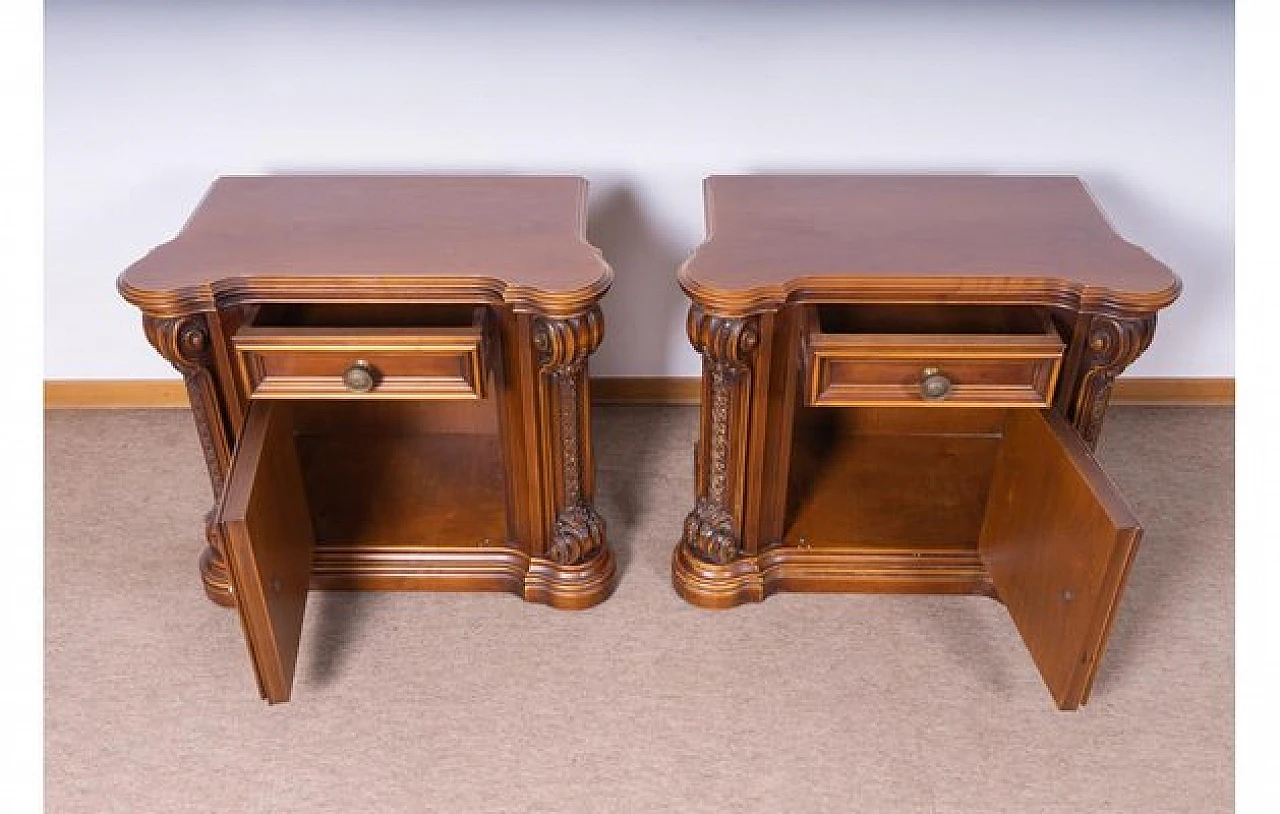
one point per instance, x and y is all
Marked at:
(363, 315)
(403, 473)
(415, 462)
(948, 320)
(886, 478)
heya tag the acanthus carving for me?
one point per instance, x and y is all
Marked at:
(1113, 344)
(708, 532)
(727, 345)
(578, 534)
(213, 564)
(563, 346)
(724, 340)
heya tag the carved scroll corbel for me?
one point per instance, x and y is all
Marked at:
(1113, 344)
(187, 344)
(712, 531)
(563, 346)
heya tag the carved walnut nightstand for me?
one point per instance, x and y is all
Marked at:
(389, 380)
(903, 379)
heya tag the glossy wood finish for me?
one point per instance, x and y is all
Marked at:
(1058, 542)
(714, 528)
(817, 304)
(909, 491)
(865, 364)
(916, 238)
(385, 238)
(264, 519)
(432, 361)
(430, 490)
(192, 344)
(466, 464)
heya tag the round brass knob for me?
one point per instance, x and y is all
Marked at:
(359, 377)
(934, 386)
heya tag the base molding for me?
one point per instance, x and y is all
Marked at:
(826, 570)
(108, 394)
(406, 568)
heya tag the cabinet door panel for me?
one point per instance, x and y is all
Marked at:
(266, 525)
(1057, 541)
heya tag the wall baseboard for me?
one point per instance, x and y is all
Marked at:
(1174, 391)
(103, 394)
(646, 389)
(108, 394)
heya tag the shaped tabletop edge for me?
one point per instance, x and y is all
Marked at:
(768, 278)
(518, 240)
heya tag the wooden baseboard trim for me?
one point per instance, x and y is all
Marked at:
(113, 394)
(105, 394)
(646, 389)
(1171, 391)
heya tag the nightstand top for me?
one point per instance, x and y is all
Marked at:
(518, 239)
(976, 238)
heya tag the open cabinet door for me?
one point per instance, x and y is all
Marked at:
(1057, 542)
(266, 526)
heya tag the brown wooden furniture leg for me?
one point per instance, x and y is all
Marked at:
(186, 343)
(577, 568)
(708, 569)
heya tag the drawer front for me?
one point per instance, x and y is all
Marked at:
(363, 363)
(929, 370)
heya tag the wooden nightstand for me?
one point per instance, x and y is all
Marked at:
(903, 380)
(389, 380)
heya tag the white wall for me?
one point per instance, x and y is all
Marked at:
(148, 101)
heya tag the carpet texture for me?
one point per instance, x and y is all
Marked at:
(421, 702)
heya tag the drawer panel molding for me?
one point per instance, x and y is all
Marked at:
(850, 369)
(294, 362)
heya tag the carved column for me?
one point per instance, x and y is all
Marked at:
(1112, 344)
(563, 346)
(186, 342)
(713, 530)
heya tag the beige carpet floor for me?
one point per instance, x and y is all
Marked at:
(477, 703)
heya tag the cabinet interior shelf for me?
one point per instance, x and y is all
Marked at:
(405, 475)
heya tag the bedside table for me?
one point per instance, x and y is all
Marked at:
(903, 379)
(389, 381)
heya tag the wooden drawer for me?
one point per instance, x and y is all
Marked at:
(967, 356)
(363, 352)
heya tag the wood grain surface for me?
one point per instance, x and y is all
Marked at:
(961, 238)
(1058, 542)
(266, 524)
(291, 238)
